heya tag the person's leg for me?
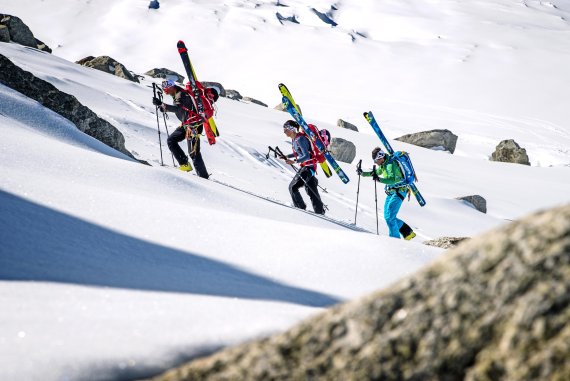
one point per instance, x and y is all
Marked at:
(294, 186)
(196, 156)
(173, 139)
(312, 189)
(391, 208)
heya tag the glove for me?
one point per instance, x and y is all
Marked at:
(358, 171)
(375, 176)
(156, 101)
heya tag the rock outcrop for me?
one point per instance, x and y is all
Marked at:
(254, 101)
(13, 29)
(442, 140)
(164, 73)
(108, 65)
(445, 242)
(62, 103)
(495, 308)
(508, 151)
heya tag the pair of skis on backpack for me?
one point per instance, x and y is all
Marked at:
(197, 92)
(323, 155)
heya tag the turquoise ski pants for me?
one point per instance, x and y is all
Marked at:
(391, 208)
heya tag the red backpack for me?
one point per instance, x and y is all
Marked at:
(193, 116)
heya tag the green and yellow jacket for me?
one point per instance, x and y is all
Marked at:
(389, 173)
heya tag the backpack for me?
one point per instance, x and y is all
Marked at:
(405, 164)
(194, 117)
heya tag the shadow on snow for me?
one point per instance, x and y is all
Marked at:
(41, 244)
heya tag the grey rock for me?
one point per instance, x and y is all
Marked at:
(343, 150)
(64, 104)
(19, 32)
(446, 242)
(165, 74)
(13, 29)
(343, 124)
(108, 65)
(496, 307)
(478, 202)
(443, 140)
(255, 101)
(216, 85)
(233, 94)
(42, 46)
(508, 151)
(4, 33)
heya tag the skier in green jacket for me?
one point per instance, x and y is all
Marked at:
(388, 172)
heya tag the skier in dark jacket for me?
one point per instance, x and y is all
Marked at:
(388, 172)
(303, 155)
(191, 127)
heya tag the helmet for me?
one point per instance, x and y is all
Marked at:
(377, 153)
(212, 93)
(291, 125)
(169, 83)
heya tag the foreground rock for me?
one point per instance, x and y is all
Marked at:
(441, 140)
(13, 29)
(62, 103)
(108, 65)
(494, 308)
(508, 151)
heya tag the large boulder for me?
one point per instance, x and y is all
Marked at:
(108, 65)
(344, 124)
(476, 201)
(441, 140)
(343, 150)
(13, 29)
(165, 74)
(62, 103)
(216, 85)
(508, 151)
(496, 307)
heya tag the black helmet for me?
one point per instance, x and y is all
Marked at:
(291, 125)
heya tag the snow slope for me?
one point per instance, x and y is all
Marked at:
(112, 269)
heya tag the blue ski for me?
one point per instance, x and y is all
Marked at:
(370, 118)
(289, 105)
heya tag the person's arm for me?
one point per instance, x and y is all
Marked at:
(304, 152)
(391, 174)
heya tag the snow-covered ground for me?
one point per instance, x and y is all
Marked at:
(112, 269)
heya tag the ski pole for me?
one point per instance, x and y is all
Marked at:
(375, 198)
(277, 151)
(157, 124)
(164, 117)
(358, 169)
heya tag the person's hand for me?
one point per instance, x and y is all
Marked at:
(156, 101)
(358, 171)
(289, 161)
(162, 107)
(375, 176)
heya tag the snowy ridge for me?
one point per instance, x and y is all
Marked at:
(113, 269)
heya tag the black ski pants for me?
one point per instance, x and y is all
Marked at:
(193, 149)
(307, 179)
